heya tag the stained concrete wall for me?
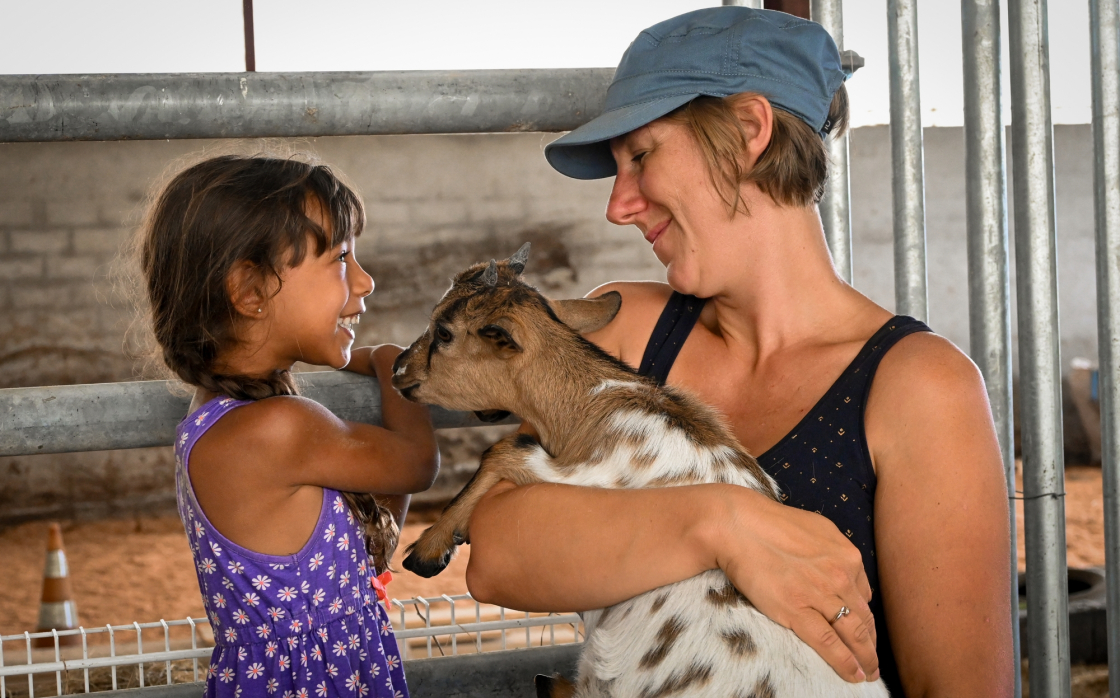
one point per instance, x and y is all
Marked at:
(435, 203)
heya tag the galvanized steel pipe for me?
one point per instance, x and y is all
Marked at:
(1104, 23)
(251, 105)
(1032, 151)
(907, 168)
(835, 205)
(104, 416)
(989, 285)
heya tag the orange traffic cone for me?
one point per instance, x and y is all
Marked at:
(57, 611)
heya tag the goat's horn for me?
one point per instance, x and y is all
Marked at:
(519, 258)
(490, 275)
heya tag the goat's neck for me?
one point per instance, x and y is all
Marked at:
(556, 395)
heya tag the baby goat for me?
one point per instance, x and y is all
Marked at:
(495, 343)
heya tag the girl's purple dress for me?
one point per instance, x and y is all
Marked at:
(306, 625)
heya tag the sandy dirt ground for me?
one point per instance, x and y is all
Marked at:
(141, 570)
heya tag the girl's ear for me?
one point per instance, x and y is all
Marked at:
(757, 117)
(244, 286)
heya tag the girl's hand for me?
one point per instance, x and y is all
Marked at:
(798, 569)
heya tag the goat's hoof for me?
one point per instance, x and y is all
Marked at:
(426, 568)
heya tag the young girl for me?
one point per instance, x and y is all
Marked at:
(249, 267)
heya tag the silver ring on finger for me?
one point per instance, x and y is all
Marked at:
(844, 610)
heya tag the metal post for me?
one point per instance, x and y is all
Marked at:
(250, 37)
(1032, 150)
(756, 4)
(1104, 23)
(989, 288)
(907, 169)
(836, 203)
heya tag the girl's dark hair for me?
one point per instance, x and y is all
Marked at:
(230, 211)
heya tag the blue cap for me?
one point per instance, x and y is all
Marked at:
(719, 51)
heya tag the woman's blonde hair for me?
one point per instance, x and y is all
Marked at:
(792, 170)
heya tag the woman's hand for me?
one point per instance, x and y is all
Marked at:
(799, 570)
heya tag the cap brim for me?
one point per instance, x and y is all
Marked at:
(585, 153)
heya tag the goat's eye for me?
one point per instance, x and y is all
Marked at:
(443, 334)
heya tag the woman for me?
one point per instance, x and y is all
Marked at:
(890, 554)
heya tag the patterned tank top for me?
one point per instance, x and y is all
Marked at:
(823, 465)
(305, 625)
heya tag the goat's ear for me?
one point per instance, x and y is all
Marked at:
(500, 338)
(588, 314)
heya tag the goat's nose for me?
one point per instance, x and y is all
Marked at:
(399, 363)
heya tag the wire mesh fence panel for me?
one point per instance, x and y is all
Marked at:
(136, 655)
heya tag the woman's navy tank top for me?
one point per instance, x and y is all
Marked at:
(823, 465)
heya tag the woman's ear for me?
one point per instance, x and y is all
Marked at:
(244, 286)
(757, 117)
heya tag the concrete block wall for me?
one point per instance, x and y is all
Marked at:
(435, 204)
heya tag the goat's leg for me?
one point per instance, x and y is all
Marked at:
(505, 460)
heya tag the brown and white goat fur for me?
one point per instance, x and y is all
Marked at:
(496, 344)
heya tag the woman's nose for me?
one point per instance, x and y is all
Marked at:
(626, 199)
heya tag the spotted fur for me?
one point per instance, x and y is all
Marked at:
(504, 346)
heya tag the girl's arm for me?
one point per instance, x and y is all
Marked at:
(941, 522)
(556, 547)
(314, 447)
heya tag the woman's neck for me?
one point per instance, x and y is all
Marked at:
(778, 287)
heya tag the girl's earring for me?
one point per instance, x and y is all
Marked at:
(258, 310)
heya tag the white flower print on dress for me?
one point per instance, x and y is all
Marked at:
(350, 517)
(276, 613)
(322, 633)
(287, 593)
(270, 648)
(356, 592)
(289, 694)
(362, 655)
(301, 693)
(227, 583)
(332, 670)
(354, 680)
(235, 567)
(231, 635)
(369, 634)
(304, 586)
(339, 507)
(362, 568)
(255, 670)
(344, 579)
(303, 658)
(201, 418)
(315, 562)
(241, 654)
(386, 628)
(296, 625)
(219, 601)
(285, 661)
(217, 549)
(208, 566)
(355, 642)
(227, 675)
(363, 690)
(340, 649)
(335, 605)
(251, 598)
(272, 685)
(263, 631)
(328, 535)
(317, 653)
(374, 669)
(183, 438)
(293, 641)
(393, 661)
(321, 690)
(261, 582)
(318, 597)
(240, 616)
(212, 671)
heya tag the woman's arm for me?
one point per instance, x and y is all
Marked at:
(557, 547)
(941, 522)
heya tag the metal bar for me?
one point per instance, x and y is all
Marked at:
(252, 105)
(102, 416)
(907, 168)
(1104, 25)
(250, 38)
(1036, 281)
(756, 4)
(835, 206)
(989, 285)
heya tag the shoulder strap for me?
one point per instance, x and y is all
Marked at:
(669, 334)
